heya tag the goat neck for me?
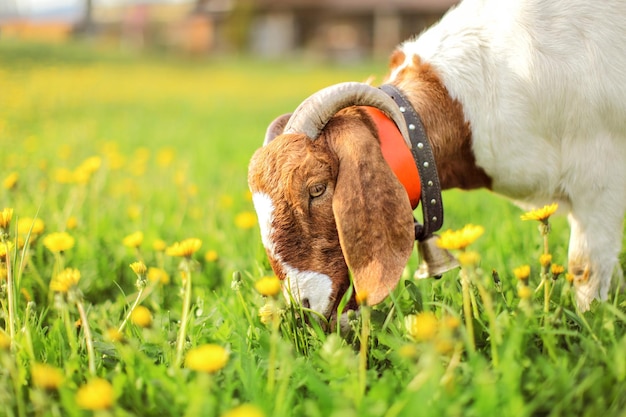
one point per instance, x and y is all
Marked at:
(448, 132)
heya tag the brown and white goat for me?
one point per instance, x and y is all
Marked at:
(524, 97)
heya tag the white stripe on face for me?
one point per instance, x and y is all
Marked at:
(309, 287)
(265, 212)
(312, 287)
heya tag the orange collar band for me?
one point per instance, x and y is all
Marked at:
(397, 154)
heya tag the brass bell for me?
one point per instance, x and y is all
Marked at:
(434, 260)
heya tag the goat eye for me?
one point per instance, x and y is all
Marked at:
(317, 190)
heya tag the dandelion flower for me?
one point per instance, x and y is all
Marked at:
(141, 316)
(186, 248)
(96, 394)
(211, 256)
(244, 410)
(58, 242)
(46, 376)
(159, 245)
(541, 214)
(72, 223)
(268, 286)
(65, 280)
(522, 272)
(557, 270)
(114, 335)
(5, 341)
(460, 239)
(139, 268)
(3, 250)
(207, 358)
(268, 312)
(10, 181)
(5, 219)
(158, 275)
(361, 298)
(245, 220)
(422, 326)
(545, 260)
(133, 240)
(27, 225)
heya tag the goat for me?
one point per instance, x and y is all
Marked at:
(523, 97)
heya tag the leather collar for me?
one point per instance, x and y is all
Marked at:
(420, 178)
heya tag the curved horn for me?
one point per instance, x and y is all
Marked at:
(313, 114)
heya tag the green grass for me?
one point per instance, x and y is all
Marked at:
(61, 105)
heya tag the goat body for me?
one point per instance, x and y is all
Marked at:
(527, 98)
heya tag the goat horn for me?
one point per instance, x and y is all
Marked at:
(313, 114)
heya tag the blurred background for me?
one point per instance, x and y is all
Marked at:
(337, 30)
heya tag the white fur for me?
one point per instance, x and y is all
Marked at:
(543, 85)
(264, 208)
(312, 286)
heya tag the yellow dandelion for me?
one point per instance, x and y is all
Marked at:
(557, 270)
(65, 280)
(46, 376)
(10, 181)
(96, 394)
(5, 219)
(545, 260)
(522, 272)
(134, 240)
(268, 286)
(90, 165)
(569, 277)
(139, 268)
(245, 220)
(361, 298)
(141, 316)
(211, 256)
(3, 250)
(408, 351)
(64, 176)
(207, 358)
(114, 335)
(244, 410)
(460, 239)
(158, 275)
(541, 214)
(165, 156)
(422, 326)
(5, 341)
(134, 212)
(186, 248)
(268, 312)
(159, 245)
(72, 223)
(58, 242)
(27, 225)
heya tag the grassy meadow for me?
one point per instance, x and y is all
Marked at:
(132, 273)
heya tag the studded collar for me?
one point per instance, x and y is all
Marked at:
(427, 181)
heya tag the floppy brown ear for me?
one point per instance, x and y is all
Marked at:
(276, 128)
(373, 216)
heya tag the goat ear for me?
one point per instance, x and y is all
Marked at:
(373, 216)
(276, 128)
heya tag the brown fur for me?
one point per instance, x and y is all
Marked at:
(449, 134)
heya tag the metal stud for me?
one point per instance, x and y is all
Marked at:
(434, 218)
(433, 201)
(411, 126)
(402, 109)
(425, 164)
(420, 145)
(430, 183)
